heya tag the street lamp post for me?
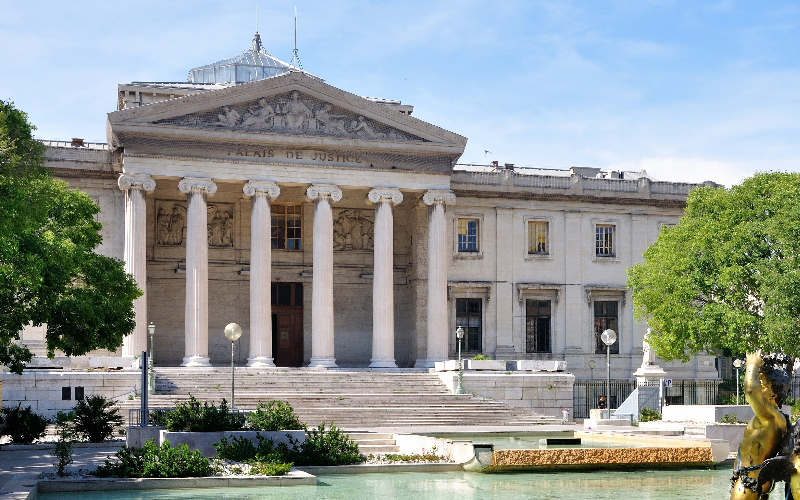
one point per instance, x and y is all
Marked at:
(232, 332)
(592, 392)
(608, 337)
(151, 383)
(460, 336)
(737, 363)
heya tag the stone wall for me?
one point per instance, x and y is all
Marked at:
(593, 458)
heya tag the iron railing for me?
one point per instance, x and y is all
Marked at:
(586, 393)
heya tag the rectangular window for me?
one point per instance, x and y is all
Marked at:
(537, 238)
(467, 235)
(287, 227)
(604, 240)
(66, 393)
(537, 326)
(468, 315)
(605, 317)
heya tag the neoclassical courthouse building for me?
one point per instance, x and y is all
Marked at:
(340, 230)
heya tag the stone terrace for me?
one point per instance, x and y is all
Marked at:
(349, 398)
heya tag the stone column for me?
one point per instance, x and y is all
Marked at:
(322, 283)
(135, 254)
(383, 278)
(262, 194)
(438, 244)
(196, 322)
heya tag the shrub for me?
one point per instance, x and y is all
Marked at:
(263, 459)
(22, 425)
(479, 357)
(649, 415)
(152, 460)
(195, 417)
(95, 418)
(731, 418)
(158, 418)
(274, 416)
(62, 451)
(270, 468)
(324, 447)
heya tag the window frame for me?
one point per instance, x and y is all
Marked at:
(527, 254)
(468, 254)
(465, 346)
(298, 230)
(549, 335)
(614, 225)
(599, 346)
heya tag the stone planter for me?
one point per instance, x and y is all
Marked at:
(485, 364)
(204, 441)
(447, 366)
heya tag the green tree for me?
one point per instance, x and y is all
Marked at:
(728, 275)
(48, 270)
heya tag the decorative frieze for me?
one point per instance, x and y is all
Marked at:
(353, 230)
(171, 224)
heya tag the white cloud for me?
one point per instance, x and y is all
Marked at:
(688, 170)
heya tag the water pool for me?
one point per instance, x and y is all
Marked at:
(641, 485)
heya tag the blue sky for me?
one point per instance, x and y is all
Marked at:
(688, 91)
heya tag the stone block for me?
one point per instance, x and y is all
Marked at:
(541, 365)
(486, 364)
(512, 394)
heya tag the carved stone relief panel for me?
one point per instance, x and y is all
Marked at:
(171, 223)
(353, 229)
(294, 113)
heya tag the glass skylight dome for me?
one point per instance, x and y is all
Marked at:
(253, 64)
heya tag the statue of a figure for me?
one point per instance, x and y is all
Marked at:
(330, 123)
(229, 119)
(297, 113)
(764, 448)
(259, 116)
(361, 128)
(649, 357)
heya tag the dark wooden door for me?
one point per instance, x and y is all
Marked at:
(287, 324)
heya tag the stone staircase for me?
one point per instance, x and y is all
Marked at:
(373, 443)
(350, 398)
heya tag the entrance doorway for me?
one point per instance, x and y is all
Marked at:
(287, 324)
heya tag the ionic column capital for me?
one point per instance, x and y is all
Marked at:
(197, 185)
(140, 181)
(443, 196)
(378, 195)
(269, 189)
(319, 191)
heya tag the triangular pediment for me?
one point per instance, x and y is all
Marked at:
(292, 112)
(279, 108)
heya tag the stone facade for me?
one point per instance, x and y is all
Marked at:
(377, 238)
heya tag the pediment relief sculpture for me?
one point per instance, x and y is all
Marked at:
(353, 230)
(171, 224)
(293, 113)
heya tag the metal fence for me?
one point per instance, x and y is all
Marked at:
(586, 393)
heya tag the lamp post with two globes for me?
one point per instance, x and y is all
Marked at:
(151, 383)
(738, 363)
(460, 336)
(608, 337)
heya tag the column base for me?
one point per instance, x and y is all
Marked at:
(322, 362)
(194, 361)
(261, 362)
(428, 363)
(382, 363)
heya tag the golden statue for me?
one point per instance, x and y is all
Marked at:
(764, 451)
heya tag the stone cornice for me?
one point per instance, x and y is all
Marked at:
(378, 195)
(319, 191)
(128, 181)
(606, 200)
(197, 185)
(434, 196)
(270, 189)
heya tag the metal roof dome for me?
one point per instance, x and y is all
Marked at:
(253, 64)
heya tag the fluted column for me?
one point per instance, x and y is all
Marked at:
(135, 253)
(383, 278)
(322, 285)
(262, 194)
(196, 322)
(437, 274)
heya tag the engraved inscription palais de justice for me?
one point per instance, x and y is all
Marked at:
(278, 154)
(292, 113)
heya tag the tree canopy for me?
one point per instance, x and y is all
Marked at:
(727, 277)
(49, 272)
